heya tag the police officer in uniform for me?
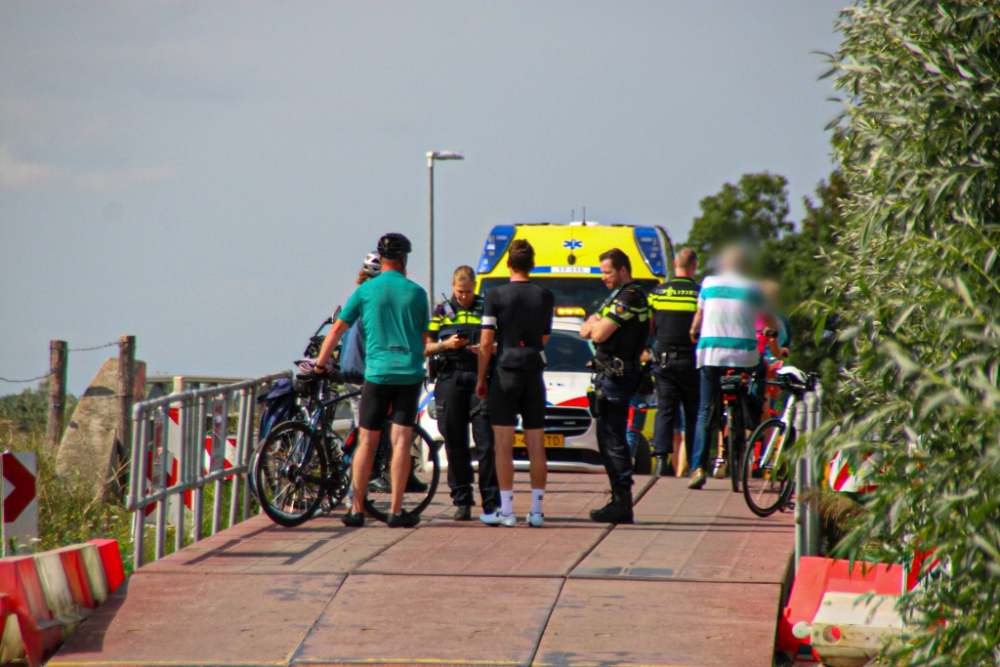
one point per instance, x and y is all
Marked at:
(620, 330)
(453, 346)
(678, 380)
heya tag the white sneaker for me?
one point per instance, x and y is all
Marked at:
(535, 520)
(498, 518)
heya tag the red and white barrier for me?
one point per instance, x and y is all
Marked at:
(48, 595)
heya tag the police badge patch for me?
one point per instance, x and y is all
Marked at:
(620, 308)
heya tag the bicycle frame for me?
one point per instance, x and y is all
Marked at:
(315, 417)
(787, 420)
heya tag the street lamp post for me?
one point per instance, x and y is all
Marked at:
(431, 157)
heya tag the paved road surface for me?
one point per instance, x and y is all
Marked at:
(696, 581)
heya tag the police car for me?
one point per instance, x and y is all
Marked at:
(567, 263)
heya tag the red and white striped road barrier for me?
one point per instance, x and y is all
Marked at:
(819, 576)
(51, 593)
(850, 630)
(31, 630)
(847, 478)
(111, 563)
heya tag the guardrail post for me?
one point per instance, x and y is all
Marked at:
(812, 529)
(137, 481)
(220, 433)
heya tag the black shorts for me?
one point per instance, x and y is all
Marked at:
(515, 393)
(388, 402)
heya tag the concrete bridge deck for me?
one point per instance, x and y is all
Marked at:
(696, 581)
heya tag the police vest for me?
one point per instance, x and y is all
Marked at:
(629, 309)
(674, 304)
(449, 318)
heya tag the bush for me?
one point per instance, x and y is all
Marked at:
(916, 282)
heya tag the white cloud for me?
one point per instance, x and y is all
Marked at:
(17, 174)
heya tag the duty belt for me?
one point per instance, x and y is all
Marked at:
(615, 367)
(451, 365)
(672, 355)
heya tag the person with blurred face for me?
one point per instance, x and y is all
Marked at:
(453, 347)
(724, 328)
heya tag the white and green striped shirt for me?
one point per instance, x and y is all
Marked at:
(730, 305)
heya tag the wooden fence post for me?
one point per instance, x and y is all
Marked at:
(126, 396)
(58, 363)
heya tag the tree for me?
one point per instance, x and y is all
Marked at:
(915, 275)
(753, 211)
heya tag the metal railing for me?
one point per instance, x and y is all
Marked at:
(164, 468)
(808, 415)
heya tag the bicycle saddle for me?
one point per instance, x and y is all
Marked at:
(793, 373)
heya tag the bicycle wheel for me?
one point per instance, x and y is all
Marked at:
(737, 439)
(290, 473)
(421, 485)
(767, 483)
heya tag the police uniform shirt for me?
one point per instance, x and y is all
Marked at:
(674, 304)
(629, 309)
(447, 322)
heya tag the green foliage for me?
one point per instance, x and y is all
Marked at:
(916, 282)
(29, 410)
(753, 211)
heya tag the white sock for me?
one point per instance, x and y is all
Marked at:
(536, 500)
(507, 502)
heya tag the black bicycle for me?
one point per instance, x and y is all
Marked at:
(302, 464)
(731, 416)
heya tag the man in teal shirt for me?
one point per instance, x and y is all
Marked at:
(394, 317)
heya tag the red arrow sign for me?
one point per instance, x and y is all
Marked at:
(24, 488)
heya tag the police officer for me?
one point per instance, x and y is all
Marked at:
(620, 330)
(453, 346)
(674, 304)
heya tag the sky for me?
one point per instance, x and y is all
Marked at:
(209, 176)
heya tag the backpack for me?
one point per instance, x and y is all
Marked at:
(279, 406)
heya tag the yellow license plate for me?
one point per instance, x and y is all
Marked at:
(552, 440)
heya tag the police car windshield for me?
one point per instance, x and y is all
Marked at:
(566, 352)
(586, 293)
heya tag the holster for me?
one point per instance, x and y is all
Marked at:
(595, 396)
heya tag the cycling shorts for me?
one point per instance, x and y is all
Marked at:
(515, 393)
(396, 403)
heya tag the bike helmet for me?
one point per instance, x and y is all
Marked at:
(373, 265)
(394, 246)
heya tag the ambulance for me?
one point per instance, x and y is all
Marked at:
(567, 263)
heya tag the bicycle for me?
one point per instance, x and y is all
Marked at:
(301, 463)
(731, 415)
(767, 476)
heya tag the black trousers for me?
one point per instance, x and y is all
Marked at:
(612, 424)
(677, 385)
(455, 396)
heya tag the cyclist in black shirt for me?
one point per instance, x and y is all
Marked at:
(620, 330)
(518, 316)
(453, 348)
(674, 304)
